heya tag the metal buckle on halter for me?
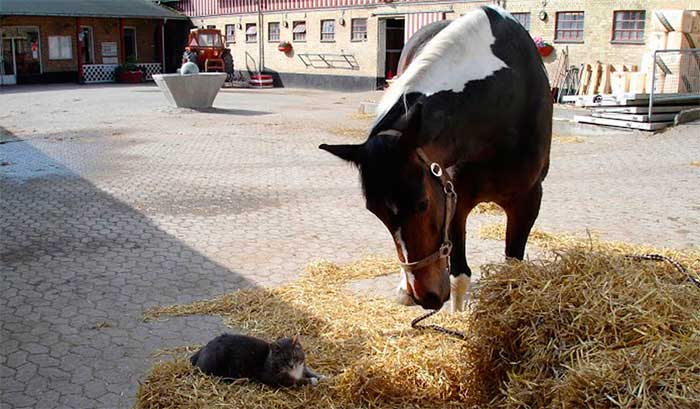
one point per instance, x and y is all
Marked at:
(445, 249)
(435, 169)
(449, 188)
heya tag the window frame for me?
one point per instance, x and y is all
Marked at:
(255, 36)
(523, 13)
(60, 56)
(353, 32)
(270, 39)
(233, 34)
(614, 40)
(294, 35)
(557, 30)
(136, 44)
(332, 33)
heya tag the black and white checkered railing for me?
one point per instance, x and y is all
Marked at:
(99, 73)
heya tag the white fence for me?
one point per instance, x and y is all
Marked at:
(99, 73)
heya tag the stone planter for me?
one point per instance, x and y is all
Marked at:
(191, 91)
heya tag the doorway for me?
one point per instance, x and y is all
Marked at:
(393, 45)
(87, 46)
(20, 51)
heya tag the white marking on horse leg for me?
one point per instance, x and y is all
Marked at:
(459, 292)
(403, 283)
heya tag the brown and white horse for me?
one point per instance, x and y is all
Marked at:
(468, 121)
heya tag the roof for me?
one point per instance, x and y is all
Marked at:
(89, 8)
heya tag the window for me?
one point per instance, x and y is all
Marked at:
(299, 31)
(60, 48)
(628, 26)
(130, 51)
(230, 33)
(209, 40)
(327, 30)
(87, 51)
(569, 27)
(358, 29)
(251, 33)
(273, 32)
(523, 19)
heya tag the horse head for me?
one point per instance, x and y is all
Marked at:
(412, 196)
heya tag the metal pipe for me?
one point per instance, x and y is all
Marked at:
(651, 91)
(261, 40)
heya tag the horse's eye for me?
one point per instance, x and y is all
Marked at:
(422, 206)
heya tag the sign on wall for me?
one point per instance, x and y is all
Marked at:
(109, 49)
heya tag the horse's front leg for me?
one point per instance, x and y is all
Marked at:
(460, 274)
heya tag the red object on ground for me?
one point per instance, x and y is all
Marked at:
(130, 77)
(261, 81)
(546, 50)
(390, 75)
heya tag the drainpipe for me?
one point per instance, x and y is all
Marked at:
(261, 39)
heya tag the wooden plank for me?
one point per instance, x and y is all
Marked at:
(632, 99)
(605, 85)
(595, 80)
(645, 109)
(634, 117)
(644, 126)
(585, 80)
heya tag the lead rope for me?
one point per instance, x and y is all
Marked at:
(457, 334)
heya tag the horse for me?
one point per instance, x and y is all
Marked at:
(469, 120)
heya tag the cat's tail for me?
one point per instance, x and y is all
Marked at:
(194, 358)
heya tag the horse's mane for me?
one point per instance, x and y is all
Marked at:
(458, 54)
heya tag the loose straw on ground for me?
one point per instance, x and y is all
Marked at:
(583, 327)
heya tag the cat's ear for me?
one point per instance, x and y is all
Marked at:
(295, 340)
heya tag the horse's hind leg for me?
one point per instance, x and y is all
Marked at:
(522, 213)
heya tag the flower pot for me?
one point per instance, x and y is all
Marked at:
(130, 77)
(284, 47)
(546, 50)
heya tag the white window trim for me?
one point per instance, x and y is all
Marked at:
(70, 37)
(136, 45)
(332, 40)
(269, 32)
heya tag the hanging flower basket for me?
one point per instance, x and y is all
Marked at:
(544, 48)
(284, 47)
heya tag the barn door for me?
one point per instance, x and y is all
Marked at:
(394, 45)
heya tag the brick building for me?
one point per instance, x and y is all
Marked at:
(354, 44)
(84, 40)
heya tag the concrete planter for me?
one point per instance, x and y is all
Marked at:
(191, 91)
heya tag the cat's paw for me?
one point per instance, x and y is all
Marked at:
(314, 381)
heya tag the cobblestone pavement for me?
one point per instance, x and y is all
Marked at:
(111, 203)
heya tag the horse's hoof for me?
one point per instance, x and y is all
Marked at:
(403, 298)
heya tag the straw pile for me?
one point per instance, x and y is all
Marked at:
(583, 327)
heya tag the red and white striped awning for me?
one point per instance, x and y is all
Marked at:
(415, 21)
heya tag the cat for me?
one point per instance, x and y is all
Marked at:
(277, 364)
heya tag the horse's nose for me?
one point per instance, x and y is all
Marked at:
(431, 301)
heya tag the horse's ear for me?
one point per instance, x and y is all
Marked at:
(410, 126)
(350, 153)
(419, 125)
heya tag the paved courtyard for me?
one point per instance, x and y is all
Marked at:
(111, 203)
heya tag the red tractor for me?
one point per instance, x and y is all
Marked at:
(205, 48)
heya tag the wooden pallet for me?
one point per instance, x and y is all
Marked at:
(629, 99)
(635, 117)
(645, 109)
(620, 123)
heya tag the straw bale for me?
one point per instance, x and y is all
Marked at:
(582, 327)
(487, 208)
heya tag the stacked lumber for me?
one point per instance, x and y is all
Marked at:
(675, 72)
(618, 95)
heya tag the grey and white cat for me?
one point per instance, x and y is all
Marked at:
(279, 363)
